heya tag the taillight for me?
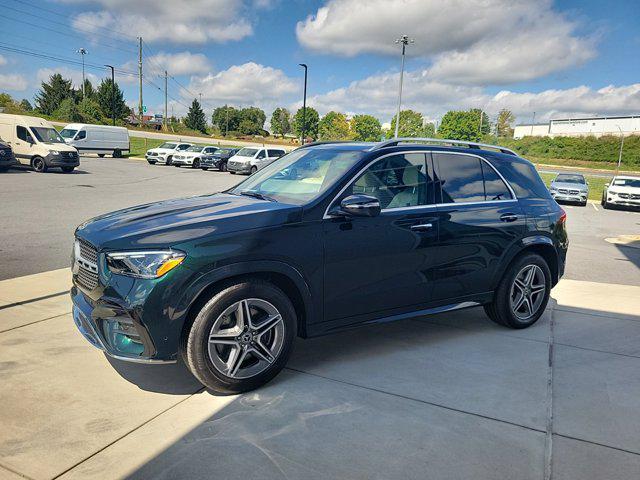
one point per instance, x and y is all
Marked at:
(563, 218)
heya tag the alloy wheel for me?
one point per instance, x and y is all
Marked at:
(527, 292)
(38, 165)
(246, 338)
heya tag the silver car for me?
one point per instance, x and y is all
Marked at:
(570, 187)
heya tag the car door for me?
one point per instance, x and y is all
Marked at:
(376, 264)
(261, 158)
(479, 218)
(23, 144)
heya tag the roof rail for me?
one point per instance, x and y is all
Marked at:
(314, 144)
(440, 141)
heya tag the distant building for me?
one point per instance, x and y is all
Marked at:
(579, 127)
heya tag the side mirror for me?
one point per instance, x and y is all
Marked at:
(606, 184)
(358, 206)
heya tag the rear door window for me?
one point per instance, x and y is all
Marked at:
(460, 178)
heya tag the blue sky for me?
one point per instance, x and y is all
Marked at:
(555, 58)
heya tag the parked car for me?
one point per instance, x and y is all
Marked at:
(570, 187)
(165, 152)
(193, 155)
(327, 237)
(622, 191)
(250, 159)
(7, 158)
(35, 142)
(219, 159)
(98, 139)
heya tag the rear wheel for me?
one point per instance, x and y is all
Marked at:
(39, 164)
(68, 169)
(523, 293)
(101, 155)
(169, 160)
(117, 154)
(242, 337)
(205, 168)
(151, 162)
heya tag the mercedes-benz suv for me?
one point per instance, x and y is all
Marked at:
(328, 237)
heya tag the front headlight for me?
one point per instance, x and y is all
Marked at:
(613, 192)
(54, 152)
(553, 190)
(144, 264)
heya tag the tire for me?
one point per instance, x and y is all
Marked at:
(151, 163)
(101, 155)
(223, 167)
(4, 169)
(232, 173)
(584, 204)
(176, 165)
(205, 168)
(39, 164)
(196, 163)
(209, 361)
(254, 169)
(117, 154)
(68, 169)
(501, 309)
(169, 160)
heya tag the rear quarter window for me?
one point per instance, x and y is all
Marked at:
(523, 178)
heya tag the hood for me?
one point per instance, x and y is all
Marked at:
(236, 158)
(161, 150)
(569, 186)
(624, 189)
(61, 147)
(171, 222)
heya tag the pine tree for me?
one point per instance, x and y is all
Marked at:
(105, 99)
(53, 93)
(195, 119)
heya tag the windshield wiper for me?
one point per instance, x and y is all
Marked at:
(254, 194)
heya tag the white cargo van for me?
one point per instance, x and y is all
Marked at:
(35, 142)
(98, 139)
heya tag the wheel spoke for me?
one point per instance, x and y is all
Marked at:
(243, 315)
(262, 352)
(518, 304)
(224, 337)
(268, 324)
(519, 284)
(236, 357)
(528, 278)
(529, 305)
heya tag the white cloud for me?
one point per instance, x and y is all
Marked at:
(470, 41)
(3, 60)
(43, 74)
(13, 81)
(183, 63)
(196, 21)
(246, 84)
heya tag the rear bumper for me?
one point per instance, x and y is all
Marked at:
(8, 160)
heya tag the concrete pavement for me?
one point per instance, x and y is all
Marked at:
(448, 396)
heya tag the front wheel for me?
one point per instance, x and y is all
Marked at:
(223, 167)
(242, 337)
(101, 155)
(205, 168)
(254, 170)
(523, 293)
(39, 164)
(196, 163)
(67, 169)
(169, 160)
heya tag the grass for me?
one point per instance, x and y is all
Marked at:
(561, 162)
(596, 184)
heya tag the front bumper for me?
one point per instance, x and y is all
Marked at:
(182, 161)
(239, 167)
(155, 158)
(211, 162)
(628, 200)
(568, 197)
(8, 159)
(63, 159)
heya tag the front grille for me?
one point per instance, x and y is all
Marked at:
(634, 197)
(88, 251)
(574, 192)
(624, 195)
(87, 275)
(70, 154)
(563, 191)
(87, 278)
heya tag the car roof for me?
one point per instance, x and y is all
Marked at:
(626, 177)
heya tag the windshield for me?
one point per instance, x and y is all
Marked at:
(182, 148)
(195, 148)
(168, 146)
(47, 135)
(627, 182)
(68, 133)
(300, 176)
(247, 152)
(224, 151)
(570, 179)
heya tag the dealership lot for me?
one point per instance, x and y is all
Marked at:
(449, 396)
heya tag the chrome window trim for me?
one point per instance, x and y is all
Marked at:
(431, 205)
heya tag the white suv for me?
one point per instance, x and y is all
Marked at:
(252, 159)
(165, 152)
(192, 155)
(623, 191)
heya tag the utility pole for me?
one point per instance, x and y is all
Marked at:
(621, 146)
(533, 122)
(165, 101)
(226, 111)
(200, 95)
(304, 105)
(404, 40)
(113, 95)
(140, 81)
(82, 53)
(480, 122)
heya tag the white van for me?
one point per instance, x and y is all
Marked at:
(98, 139)
(252, 159)
(35, 142)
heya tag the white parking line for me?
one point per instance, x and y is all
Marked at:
(595, 208)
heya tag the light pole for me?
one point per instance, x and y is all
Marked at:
(533, 122)
(404, 40)
(304, 104)
(113, 95)
(621, 145)
(82, 53)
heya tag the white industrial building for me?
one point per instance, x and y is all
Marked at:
(578, 127)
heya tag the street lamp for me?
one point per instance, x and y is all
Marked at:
(82, 53)
(621, 145)
(304, 104)
(113, 95)
(404, 40)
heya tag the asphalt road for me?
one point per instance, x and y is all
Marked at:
(41, 212)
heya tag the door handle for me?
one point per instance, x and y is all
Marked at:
(422, 227)
(508, 217)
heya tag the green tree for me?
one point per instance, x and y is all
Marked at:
(505, 120)
(464, 125)
(53, 93)
(89, 91)
(90, 111)
(104, 97)
(411, 124)
(252, 121)
(429, 130)
(334, 126)
(226, 118)
(26, 105)
(366, 128)
(195, 119)
(281, 121)
(311, 120)
(68, 110)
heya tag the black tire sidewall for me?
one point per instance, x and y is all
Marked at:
(197, 342)
(68, 169)
(44, 164)
(196, 163)
(502, 306)
(253, 170)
